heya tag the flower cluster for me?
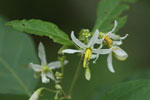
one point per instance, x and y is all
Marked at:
(46, 69)
(46, 72)
(90, 50)
(90, 46)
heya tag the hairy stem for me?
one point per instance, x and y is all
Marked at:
(75, 77)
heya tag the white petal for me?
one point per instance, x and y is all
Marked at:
(50, 76)
(99, 41)
(41, 53)
(122, 38)
(44, 78)
(93, 56)
(105, 51)
(109, 62)
(114, 28)
(96, 57)
(54, 65)
(117, 42)
(35, 96)
(76, 41)
(71, 51)
(102, 51)
(114, 36)
(35, 67)
(120, 53)
(94, 38)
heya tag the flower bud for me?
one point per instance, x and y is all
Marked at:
(87, 73)
(58, 87)
(35, 95)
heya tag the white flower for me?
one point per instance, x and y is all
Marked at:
(116, 38)
(35, 95)
(44, 68)
(113, 41)
(119, 54)
(88, 49)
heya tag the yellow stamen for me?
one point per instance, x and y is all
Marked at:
(108, 41)
(87, 57)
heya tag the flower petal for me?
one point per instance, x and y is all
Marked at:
(117, 42)
(122, 38)
(35, 96)
(94, 38)
(120, 54)
(54, 64)
(114, 36)
(50, 76)
(102, 51)
(96, 57)
(76, 41)
(109, 62)
(114, 28)
(93, 56)
(44, 78)
(35, 67)
(100, 41)
(41, 53)
(71, 51)
(105, 51)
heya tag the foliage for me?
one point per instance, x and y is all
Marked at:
(132, 90)
(16, 51)
(108, 11)
(12, 70)
(41, 28)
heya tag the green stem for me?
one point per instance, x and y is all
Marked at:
(75, 77)
(62, 67)
(54, 91)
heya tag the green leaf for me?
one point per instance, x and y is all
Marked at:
(133, 90)
(108, 11)
(16, 52)
(41, 28)
(121, 22)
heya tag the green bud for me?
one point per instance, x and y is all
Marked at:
(58, 87)
(84, 34)
(58, 74)
(87, 73)
(58, 78)
(101, 34)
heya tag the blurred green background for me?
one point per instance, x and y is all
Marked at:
(77, 14)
